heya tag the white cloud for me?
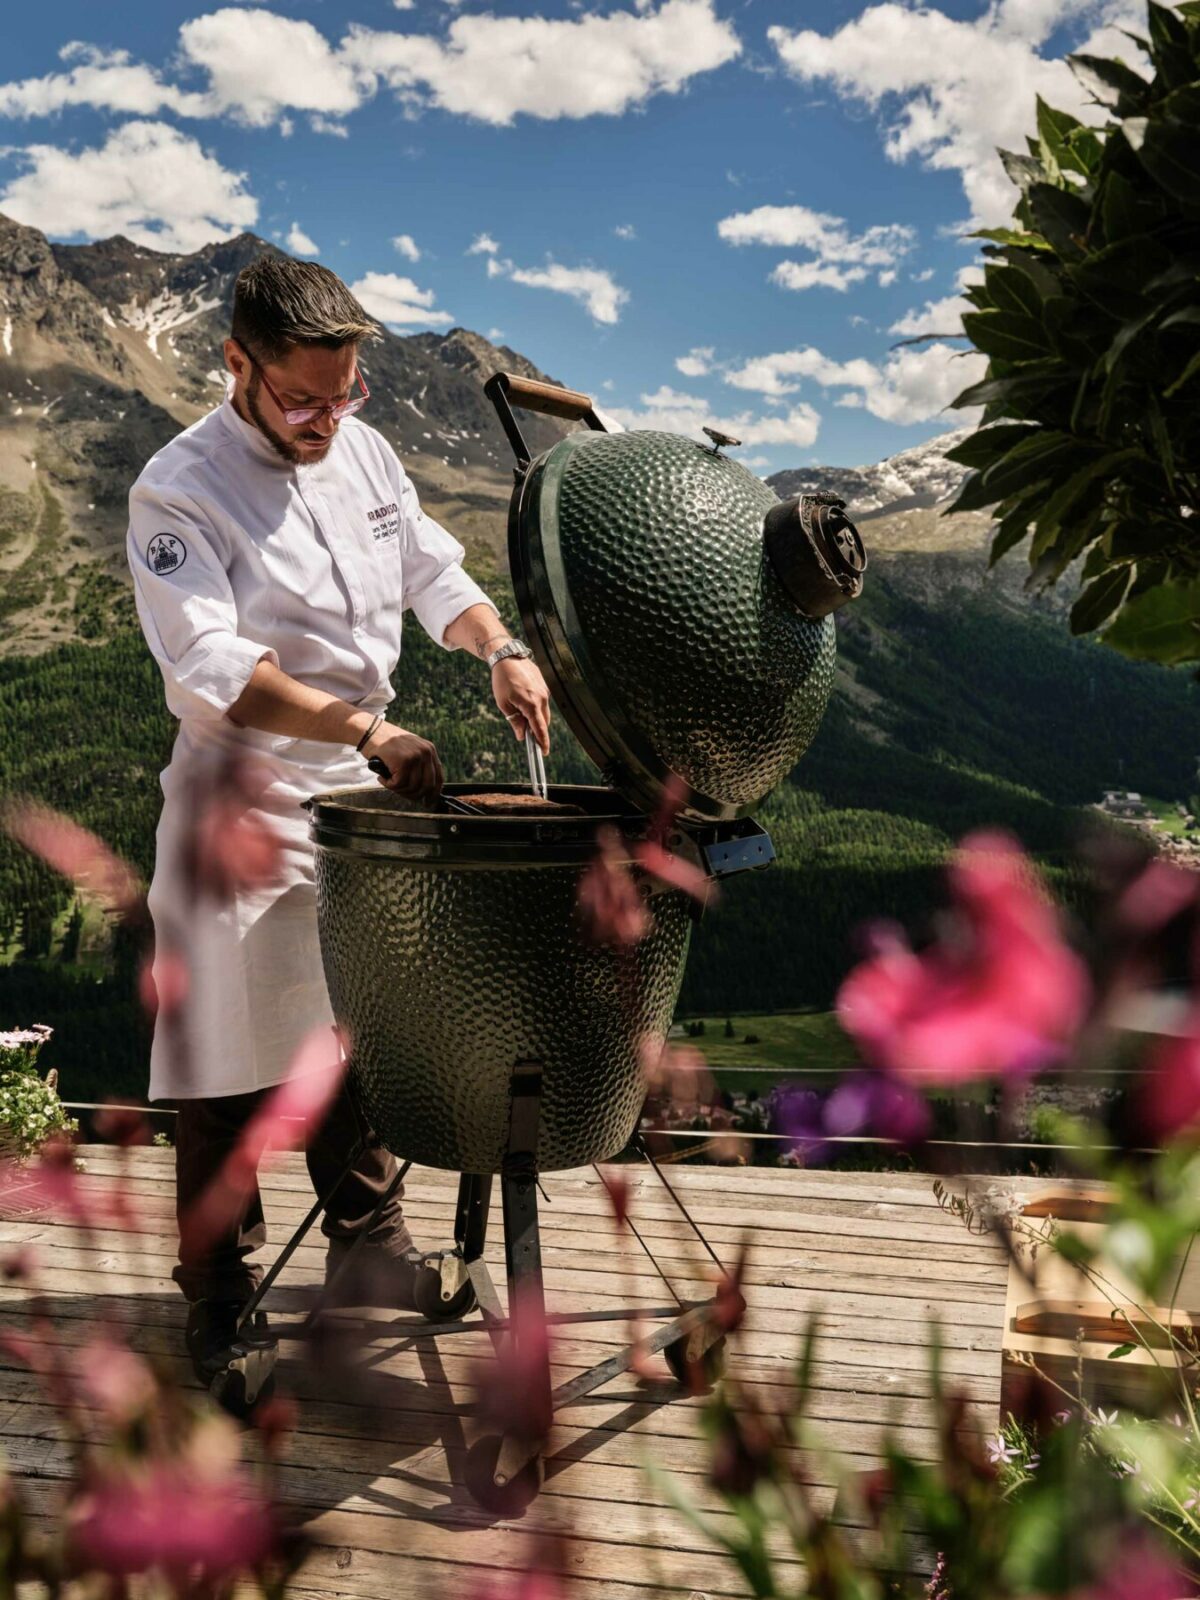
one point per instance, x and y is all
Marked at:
(917, 385)
(299, 243)
(496, 68)
(319, 123)
(815, 274)
(482, 245)
(398, 301)
(257, 65)
(404, 5)
(886, 279)
(495, 334)
(286, 127)
(147, 181)
(594, 288)
(952, 90)
(936, 316)
(670, 411)
(407, 246)
(107, 79)
(942, 317)
(922, 277)
(838, 258)
(912, 386)
(625, 230)
(697, 361)
(780, 374)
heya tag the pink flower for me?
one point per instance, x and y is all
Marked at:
(1168, 1089)
(613, 910)
(171, 1517)
(78, 854)
(1002, 994)
(1138, 1571)
(282, 1123)
(514, 1395)
(118, 1383)
(231, 844)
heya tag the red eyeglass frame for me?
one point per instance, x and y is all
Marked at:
(295, 415)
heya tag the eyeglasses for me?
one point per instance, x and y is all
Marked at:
(294, 415)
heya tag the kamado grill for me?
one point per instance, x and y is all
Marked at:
(681, 615)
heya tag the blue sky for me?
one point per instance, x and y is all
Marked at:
(770, 194)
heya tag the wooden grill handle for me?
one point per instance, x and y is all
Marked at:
(548, 398)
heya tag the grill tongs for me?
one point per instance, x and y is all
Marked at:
(537, 779)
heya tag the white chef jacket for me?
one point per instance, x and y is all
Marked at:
(238, 555)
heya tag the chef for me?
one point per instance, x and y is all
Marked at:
(275, 546)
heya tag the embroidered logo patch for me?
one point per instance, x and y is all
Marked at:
(165, 552)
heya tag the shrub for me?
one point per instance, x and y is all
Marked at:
(1089, 313)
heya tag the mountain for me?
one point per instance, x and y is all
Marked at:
(108, 349)
(961, 701)
(914, 479)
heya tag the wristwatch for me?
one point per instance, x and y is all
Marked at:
(510, 647)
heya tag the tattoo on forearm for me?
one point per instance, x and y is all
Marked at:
(481, 645)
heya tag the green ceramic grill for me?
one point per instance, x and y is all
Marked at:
(682, 616)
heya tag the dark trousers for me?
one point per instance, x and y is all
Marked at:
(206, 1133)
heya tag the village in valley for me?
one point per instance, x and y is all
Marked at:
(1174, 829)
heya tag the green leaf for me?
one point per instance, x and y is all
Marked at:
(986, 445)
(1133, 91)
(1054, 129)
(1061, 217)
(1022, 170)
(1170, 47)
(1046, 454)
(1168, 153)
(1007, 334)
(1010, 290)
(1116, 277)
(1161, 624)
(1126, 211)
(973, 496)
(1099, 600)
(1011, 236)
(1121, 1350)
(1186, 376)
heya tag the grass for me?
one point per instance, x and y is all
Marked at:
(788, 1042)
(1166, 814)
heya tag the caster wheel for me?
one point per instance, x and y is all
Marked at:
(504, 1499)
(427, 1297)
(240, 1388)
(696, 1376)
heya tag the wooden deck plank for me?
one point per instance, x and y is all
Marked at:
(375, 1470)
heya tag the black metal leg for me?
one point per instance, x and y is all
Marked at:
(471, 1221)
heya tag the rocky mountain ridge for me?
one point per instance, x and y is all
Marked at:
(912, 480)
(108, 349)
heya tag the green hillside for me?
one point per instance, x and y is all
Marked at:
(955, 710)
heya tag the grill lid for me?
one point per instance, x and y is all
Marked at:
(691, 656)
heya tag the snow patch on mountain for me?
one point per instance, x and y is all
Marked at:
(915, 478)
(163, 313)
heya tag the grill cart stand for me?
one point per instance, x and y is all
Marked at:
(504, 1474)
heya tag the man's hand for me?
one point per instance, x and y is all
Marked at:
(412, 761)
(523, 697)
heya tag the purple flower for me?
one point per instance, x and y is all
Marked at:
(863, 1104)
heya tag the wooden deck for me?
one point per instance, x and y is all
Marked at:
(375, 1469)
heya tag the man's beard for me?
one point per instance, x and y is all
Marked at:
(278, 443)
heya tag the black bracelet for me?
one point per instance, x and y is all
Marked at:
(369, 732)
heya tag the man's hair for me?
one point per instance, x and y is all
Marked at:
(279, 303)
